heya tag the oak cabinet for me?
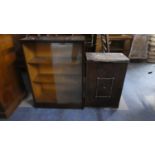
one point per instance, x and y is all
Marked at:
(11, 87)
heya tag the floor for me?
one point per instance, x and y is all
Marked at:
(137, 102)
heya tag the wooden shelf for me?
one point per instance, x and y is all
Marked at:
(51, 79)
(46, 98)
(60, 73)
(120, 37)
(61, 89)
(40, 60)
(48, 61)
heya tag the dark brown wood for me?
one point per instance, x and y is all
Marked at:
(19, 53)
(11, 87)
(56, 74)
(105, 73)
(90, 42)
(120, 43)
(53, 39)
(116, 43)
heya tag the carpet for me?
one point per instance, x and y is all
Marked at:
(86, 114)
(137, 102)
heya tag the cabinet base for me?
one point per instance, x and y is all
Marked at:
(70, 106)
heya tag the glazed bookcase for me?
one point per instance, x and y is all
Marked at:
(55, 67)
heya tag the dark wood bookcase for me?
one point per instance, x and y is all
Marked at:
(55, 68)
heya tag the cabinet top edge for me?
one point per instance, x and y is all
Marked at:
(107, 57)
(51, 39)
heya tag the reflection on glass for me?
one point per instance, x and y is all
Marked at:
(62, 78)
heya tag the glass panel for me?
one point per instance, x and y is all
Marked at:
(59, 72)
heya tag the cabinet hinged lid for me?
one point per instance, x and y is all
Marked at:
(107, 57)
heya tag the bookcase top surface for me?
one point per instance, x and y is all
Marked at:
(50, 39)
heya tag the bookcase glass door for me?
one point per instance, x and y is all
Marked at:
(57, 75)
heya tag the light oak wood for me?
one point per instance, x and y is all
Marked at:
(11, 87)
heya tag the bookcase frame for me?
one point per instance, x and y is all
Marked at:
(29, 48)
